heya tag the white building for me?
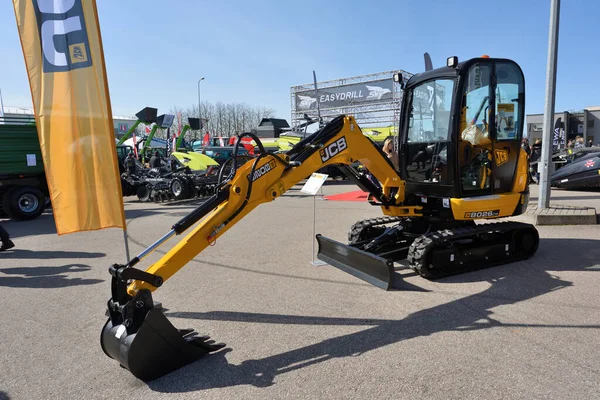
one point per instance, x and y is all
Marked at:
(15, 115)
(584, 123)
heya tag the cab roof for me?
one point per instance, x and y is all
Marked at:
(449, 72)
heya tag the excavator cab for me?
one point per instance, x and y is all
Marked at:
(460, 161)
(461, 129)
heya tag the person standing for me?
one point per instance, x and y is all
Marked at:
(536, 154)
(5, 238)
(525, 146)
(388, 149)
(130, 163)
(155, 161)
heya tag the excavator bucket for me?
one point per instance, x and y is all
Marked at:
(369, 267)
(156, 348)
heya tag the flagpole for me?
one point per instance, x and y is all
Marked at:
(1, 105)
(126, 240)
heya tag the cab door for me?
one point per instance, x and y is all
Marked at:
(507, 119)
(475, 149)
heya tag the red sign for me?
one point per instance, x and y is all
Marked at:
(590, 163)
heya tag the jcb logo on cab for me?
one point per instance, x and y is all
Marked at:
(63, 35)
(501, 157)
(333, 149)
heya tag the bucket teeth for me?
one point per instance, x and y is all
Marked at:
(156, 348)
(205, 342)
(211, 344)
(185, 332)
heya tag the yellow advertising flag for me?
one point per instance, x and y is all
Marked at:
(65, 63)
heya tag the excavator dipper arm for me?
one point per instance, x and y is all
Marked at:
(269, 176)
(139, 336)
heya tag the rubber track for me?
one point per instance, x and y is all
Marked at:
(423, 245)
(360, 226)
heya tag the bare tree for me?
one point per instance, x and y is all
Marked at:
(221, 119)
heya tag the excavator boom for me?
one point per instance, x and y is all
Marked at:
(141, 338)
(269, 176)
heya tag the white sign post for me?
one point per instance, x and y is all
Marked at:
(312, 186)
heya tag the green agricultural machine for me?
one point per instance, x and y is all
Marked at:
(23, 188)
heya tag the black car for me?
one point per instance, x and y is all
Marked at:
(581, 169)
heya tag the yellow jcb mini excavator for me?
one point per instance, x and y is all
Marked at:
(457, 163)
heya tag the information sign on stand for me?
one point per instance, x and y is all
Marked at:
(314, 183)
(312, 186)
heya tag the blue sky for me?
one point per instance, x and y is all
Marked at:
(254, 51)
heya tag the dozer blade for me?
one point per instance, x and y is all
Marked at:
(369, 267)
(156, 349)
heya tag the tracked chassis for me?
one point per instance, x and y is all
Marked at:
(433, 251)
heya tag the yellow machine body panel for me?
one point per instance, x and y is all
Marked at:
(483, 207)
(521, 173)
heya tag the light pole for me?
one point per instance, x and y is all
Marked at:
(199, 114)
(546, 158)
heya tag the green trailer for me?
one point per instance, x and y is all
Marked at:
(23, 188)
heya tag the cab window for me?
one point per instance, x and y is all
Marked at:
(475, 142)
(428, 136)
(430, 112)
(509, 99)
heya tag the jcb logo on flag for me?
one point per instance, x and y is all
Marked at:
(63, 35)
(65, 65)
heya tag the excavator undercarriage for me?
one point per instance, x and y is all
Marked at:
(431, 250)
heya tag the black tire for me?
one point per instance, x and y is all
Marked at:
(24, 203)
(127, 188)
(143, 192)
(180, 188)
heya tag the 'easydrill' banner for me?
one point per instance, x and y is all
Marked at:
(65, 64)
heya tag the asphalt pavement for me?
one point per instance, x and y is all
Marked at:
(523, 330)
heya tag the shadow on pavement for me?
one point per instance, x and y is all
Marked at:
(45, 277)
(306, 278)
(43, 225)
(4, 395)
(133, 214)
(17, 253)
(509, 284)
